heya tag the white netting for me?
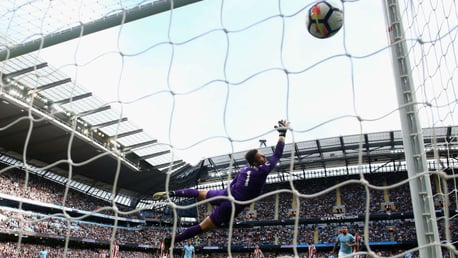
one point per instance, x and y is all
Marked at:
(207, 80)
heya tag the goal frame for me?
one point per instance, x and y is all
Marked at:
(420, 184)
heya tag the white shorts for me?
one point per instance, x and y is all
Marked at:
(341, 255)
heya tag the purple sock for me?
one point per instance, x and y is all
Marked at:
(186, 193)
(188, 233)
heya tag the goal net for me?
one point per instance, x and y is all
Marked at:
(105, 103)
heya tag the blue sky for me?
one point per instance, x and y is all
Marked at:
(230, 88)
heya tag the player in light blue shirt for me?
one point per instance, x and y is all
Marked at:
(409, 255)
(189, 251)
(345, 241)
(43, 253)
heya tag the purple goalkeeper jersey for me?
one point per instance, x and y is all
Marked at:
(246, 185)
(250, 180)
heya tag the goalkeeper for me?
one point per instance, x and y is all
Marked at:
(247, 184)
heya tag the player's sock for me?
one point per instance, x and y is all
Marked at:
(185, 193)
(188, 233)
(166, 244)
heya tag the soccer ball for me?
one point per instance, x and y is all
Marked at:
(324, 20)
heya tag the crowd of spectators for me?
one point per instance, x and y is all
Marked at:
(42, 190)
(271, 207)
(11, 250)
(32, 224)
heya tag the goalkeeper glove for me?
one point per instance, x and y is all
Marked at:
(282, 128)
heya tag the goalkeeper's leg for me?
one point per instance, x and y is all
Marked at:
(191, 193)
(206, 225)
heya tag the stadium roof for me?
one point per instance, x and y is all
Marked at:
(103, 139)
(340, 155)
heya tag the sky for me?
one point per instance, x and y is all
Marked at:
(205, 92)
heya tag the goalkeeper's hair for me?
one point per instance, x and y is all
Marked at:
(250, 156)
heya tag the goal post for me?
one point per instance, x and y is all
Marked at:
(420, 185)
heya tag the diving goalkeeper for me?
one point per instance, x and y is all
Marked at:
(247, 184)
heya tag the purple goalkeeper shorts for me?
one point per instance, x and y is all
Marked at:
(221, 214)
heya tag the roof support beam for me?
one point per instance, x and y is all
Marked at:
(344, 152)
(7, 76)
(73, 98)
(320, 151)
(368, 151)
(234, 161)
(112, 122)
(178, 164)
(153, 155)
(297, 151)
(52, 84)
(449, 134)
(141, 144)
(168, 164)
(120, 135)
(93, 111)
(392, 140)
